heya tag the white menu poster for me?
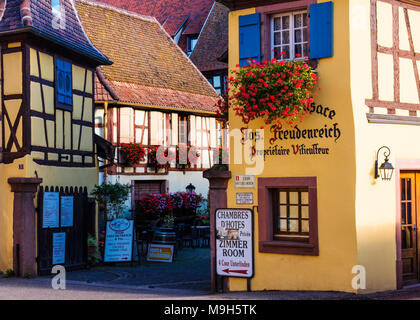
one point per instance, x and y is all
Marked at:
(50, 214)
(67, 211)
(119, 240)
(59, 248)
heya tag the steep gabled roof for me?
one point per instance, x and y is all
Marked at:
(213, 40)
(36, 16)
(171, 13)
(149, 68)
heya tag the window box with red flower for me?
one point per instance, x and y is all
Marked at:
(277, 91)
(160, 157)
(132, 153)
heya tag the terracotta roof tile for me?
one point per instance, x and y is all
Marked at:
(213, 41)
(162, 97)
(171, 12)
(149, 68)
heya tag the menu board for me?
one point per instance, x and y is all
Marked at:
(59, 248)
(119, 240)
(50, 214)
(160, 252)
(67, 211)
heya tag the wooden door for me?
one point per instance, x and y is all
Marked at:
(409, 201)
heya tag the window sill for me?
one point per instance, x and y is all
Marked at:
(288, 247)
(65, 107)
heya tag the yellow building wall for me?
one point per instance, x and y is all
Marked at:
(12, 63)
(6, 211)
(57, 135)
(332, 269)
(376, 200)
(61, 133)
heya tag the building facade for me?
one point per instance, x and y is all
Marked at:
(47, 112)
(151, 96)
(322, 216)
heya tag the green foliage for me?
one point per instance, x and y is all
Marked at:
(9, 273)
(95, 256)
(112, 196)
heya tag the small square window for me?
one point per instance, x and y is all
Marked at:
(288, 215)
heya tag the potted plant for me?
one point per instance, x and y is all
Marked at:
(132, 153)
(277, 91)
(93, 251)
(112, 197)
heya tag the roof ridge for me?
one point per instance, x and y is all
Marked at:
(119, 10)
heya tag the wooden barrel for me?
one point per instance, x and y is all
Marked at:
(165, 236)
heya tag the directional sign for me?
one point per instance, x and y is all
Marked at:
(234, 243)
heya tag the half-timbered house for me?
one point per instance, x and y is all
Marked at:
(152, 95)
(47, 105)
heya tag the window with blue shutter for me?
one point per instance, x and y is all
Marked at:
(249, 38)
(321, 30)
(64, 84)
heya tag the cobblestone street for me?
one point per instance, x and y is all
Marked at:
(189, 270)
(187, 278)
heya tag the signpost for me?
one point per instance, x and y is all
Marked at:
(235, 243)
(119, 240)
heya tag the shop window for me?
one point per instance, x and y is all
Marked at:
(289, 34)
(64, 85)
(288, 215)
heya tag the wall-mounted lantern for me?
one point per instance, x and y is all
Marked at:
(190, 188)
(386, 169)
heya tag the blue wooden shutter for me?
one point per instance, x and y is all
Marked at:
(64, 82)
(321, 30)
(249, 38)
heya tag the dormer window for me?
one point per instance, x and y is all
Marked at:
(191, 43)
(56, 8)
